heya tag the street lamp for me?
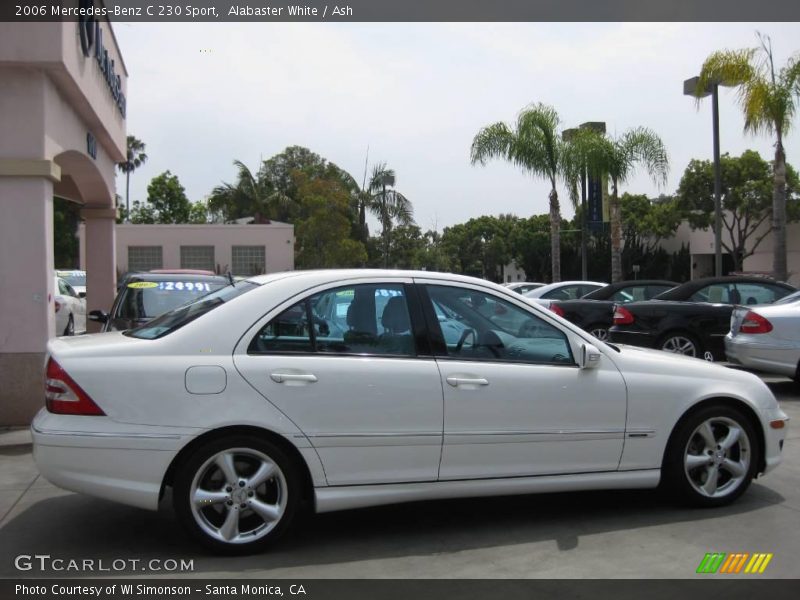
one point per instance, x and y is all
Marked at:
(598, 127)
(690, 88)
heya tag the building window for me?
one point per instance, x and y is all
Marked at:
(197, 257)
(248, 260)
(145, 258)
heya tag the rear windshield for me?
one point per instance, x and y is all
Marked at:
(149, 299)
(180, 316)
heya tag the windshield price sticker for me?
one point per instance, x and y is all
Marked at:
(184, 286)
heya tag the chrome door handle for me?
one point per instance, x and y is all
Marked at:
(457, 380)
(289, 378)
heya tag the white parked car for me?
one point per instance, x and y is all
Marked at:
(767, 338)
(523, 286)
(342, 389)
(562, 290)
(76, 278)
(70, 309)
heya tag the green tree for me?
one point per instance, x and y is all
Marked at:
(250, 196)
(323, 225)
(535, 145)
(768, 100)
(136, 157)
(142, 214)
(198, 212)
(167, 198)
(746, 200)
(66, 217)
(617, 158)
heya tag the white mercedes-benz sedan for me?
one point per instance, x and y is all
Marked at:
(344, 389)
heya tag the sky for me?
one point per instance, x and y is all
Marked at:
(203, 94)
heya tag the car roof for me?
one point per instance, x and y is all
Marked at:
(690, 287)
(535, 293)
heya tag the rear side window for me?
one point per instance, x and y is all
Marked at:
(178, 317)
(362, 319)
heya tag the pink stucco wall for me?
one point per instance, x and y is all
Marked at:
(277, 238)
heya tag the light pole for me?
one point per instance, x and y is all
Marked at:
(690, 88)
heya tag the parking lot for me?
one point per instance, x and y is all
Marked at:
(592, 534)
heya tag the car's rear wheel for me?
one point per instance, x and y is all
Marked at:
(599, 331)
(70, 328)
(681, 343)
(236, 494)
(712, 457)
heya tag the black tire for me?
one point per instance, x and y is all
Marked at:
(673, 337)
(684, 483)
(70, 328)
(280, 492)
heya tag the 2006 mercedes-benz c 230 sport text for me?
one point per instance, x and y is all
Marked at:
(344, 389)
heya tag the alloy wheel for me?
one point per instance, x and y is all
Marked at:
(679, 344)
(600, 333)
(238, 495)
(717, 457)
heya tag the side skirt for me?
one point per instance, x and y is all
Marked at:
(329, 499)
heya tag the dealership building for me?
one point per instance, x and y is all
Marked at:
(63, 89)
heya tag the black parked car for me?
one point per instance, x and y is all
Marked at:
(144, 296)
(693, 318)
(595, 311)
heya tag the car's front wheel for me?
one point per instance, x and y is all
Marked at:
(712, 457)
(236, 494)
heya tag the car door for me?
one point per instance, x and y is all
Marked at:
(343, 364)
(516, 403)
(78, 306)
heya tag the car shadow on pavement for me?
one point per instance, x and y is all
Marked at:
(73, 526)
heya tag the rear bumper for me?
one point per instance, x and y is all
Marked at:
(96, 456)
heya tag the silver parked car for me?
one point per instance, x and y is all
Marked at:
(767, 338)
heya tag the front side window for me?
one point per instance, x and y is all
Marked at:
(361, 319)
(479, 326)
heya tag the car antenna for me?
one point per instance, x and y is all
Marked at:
(230, 278)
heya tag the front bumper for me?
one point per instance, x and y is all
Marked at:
(774, 439)
(106, 459)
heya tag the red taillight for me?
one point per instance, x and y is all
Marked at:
(557, 309)
(58, 305)
(65, 397)
(622, 316)
(754, 323)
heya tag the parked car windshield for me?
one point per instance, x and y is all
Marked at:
(180, 316)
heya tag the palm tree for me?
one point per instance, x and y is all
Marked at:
(390, 206)
(136, 157)
(616, 159)
(536, 146)
(251, 195)
(767, 99)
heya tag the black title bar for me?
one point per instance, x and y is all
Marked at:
(155, 11)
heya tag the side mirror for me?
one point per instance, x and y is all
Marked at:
(589, 357)
(98, 315)
(81, 294)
